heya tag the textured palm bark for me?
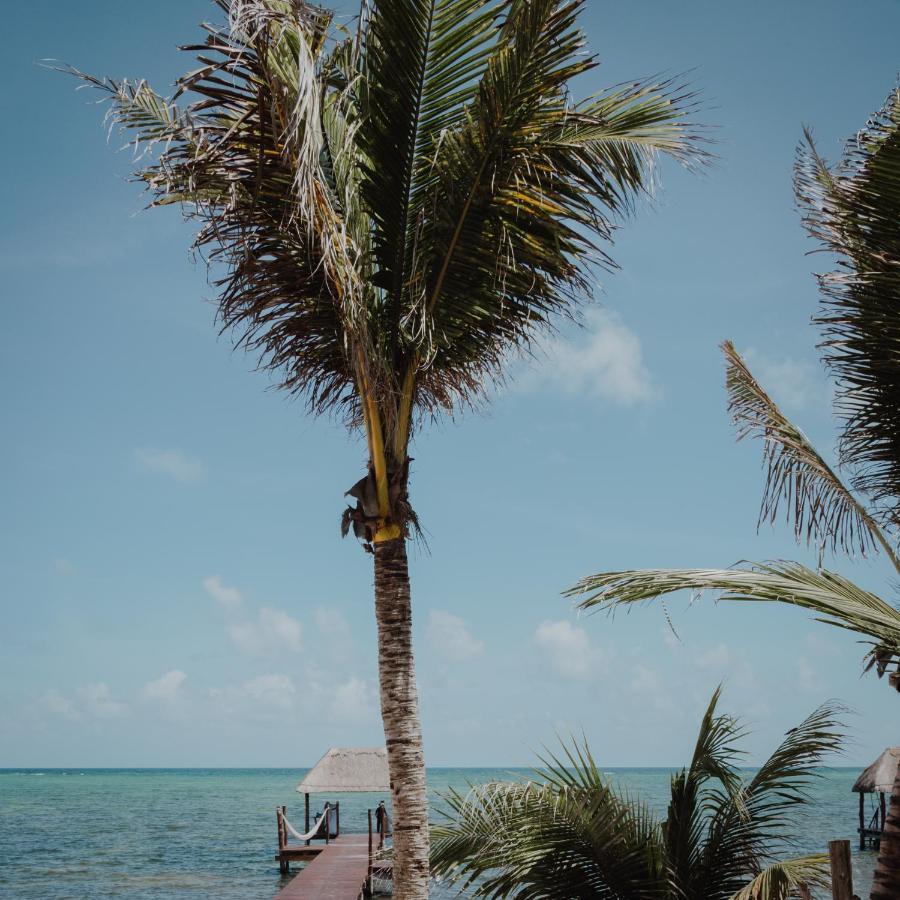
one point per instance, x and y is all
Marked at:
(886, 883)
(400, 714)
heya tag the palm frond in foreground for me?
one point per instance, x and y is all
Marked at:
(571, 832)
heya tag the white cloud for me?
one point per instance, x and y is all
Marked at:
(353, 700)
(605, 360)
(173, 463)
(272, 630)
(332, 623)
(451, 637)
(793, 383)
(59, 705)
(645, 680)
(714, 658)
(166, 689)
(276, 691)
(566, 647)
(229, 597)
(97, 700)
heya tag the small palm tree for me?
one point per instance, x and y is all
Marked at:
(572, 834)
(853, 209)
(389, 212)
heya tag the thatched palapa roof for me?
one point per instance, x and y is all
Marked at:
(348, 769)
(879, 777)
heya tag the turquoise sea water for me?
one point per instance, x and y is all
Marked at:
(185, 834)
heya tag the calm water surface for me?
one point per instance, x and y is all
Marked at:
(185, 834)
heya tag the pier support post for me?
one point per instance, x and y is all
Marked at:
(841, 873)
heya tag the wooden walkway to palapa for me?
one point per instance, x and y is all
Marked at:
(338, 872)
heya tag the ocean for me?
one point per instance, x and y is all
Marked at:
(186, 834)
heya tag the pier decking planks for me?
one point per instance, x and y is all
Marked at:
(338, 872)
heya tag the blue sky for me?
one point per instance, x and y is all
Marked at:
(174, 587)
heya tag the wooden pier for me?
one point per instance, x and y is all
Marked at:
(340, 870)
(344, 867)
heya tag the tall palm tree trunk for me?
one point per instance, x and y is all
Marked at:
(886, 883)
(400, 714)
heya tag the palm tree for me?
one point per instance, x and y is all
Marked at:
(389, 211)
(572, 834)
(853, 210)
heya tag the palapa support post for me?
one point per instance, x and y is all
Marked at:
(841, 872)
(862, 821)
(306, 806)
(369, 875)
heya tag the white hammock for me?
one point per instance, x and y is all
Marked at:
(309, 834)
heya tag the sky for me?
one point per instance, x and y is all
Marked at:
(174, 588)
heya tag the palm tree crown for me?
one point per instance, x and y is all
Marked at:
(571, 833)
(394, 209)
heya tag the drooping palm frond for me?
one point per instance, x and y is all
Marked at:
(570, 833)
(822, 509)
(835, 600)
(852, 210)
(781, 880)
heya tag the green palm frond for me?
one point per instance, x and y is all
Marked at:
(529, 187)
(540, 840)
(570, 833)
(409, 99)
(852, 210)
(714, 759)
(780, 880)
(748, 819)
(834, 599)
(821, 507)
(391, 210)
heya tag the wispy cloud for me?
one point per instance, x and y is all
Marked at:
(59, 705)
(271, 631)
(172, 463)
(604, 360)
(97, 701)
(566, 648)
(276, 691)
(166, 688)
(332, 623)
(353, 701)
(229, 597)
(450, 637)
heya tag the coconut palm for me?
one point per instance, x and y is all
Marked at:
(571, 833)
(853, 210)
(389, 210)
